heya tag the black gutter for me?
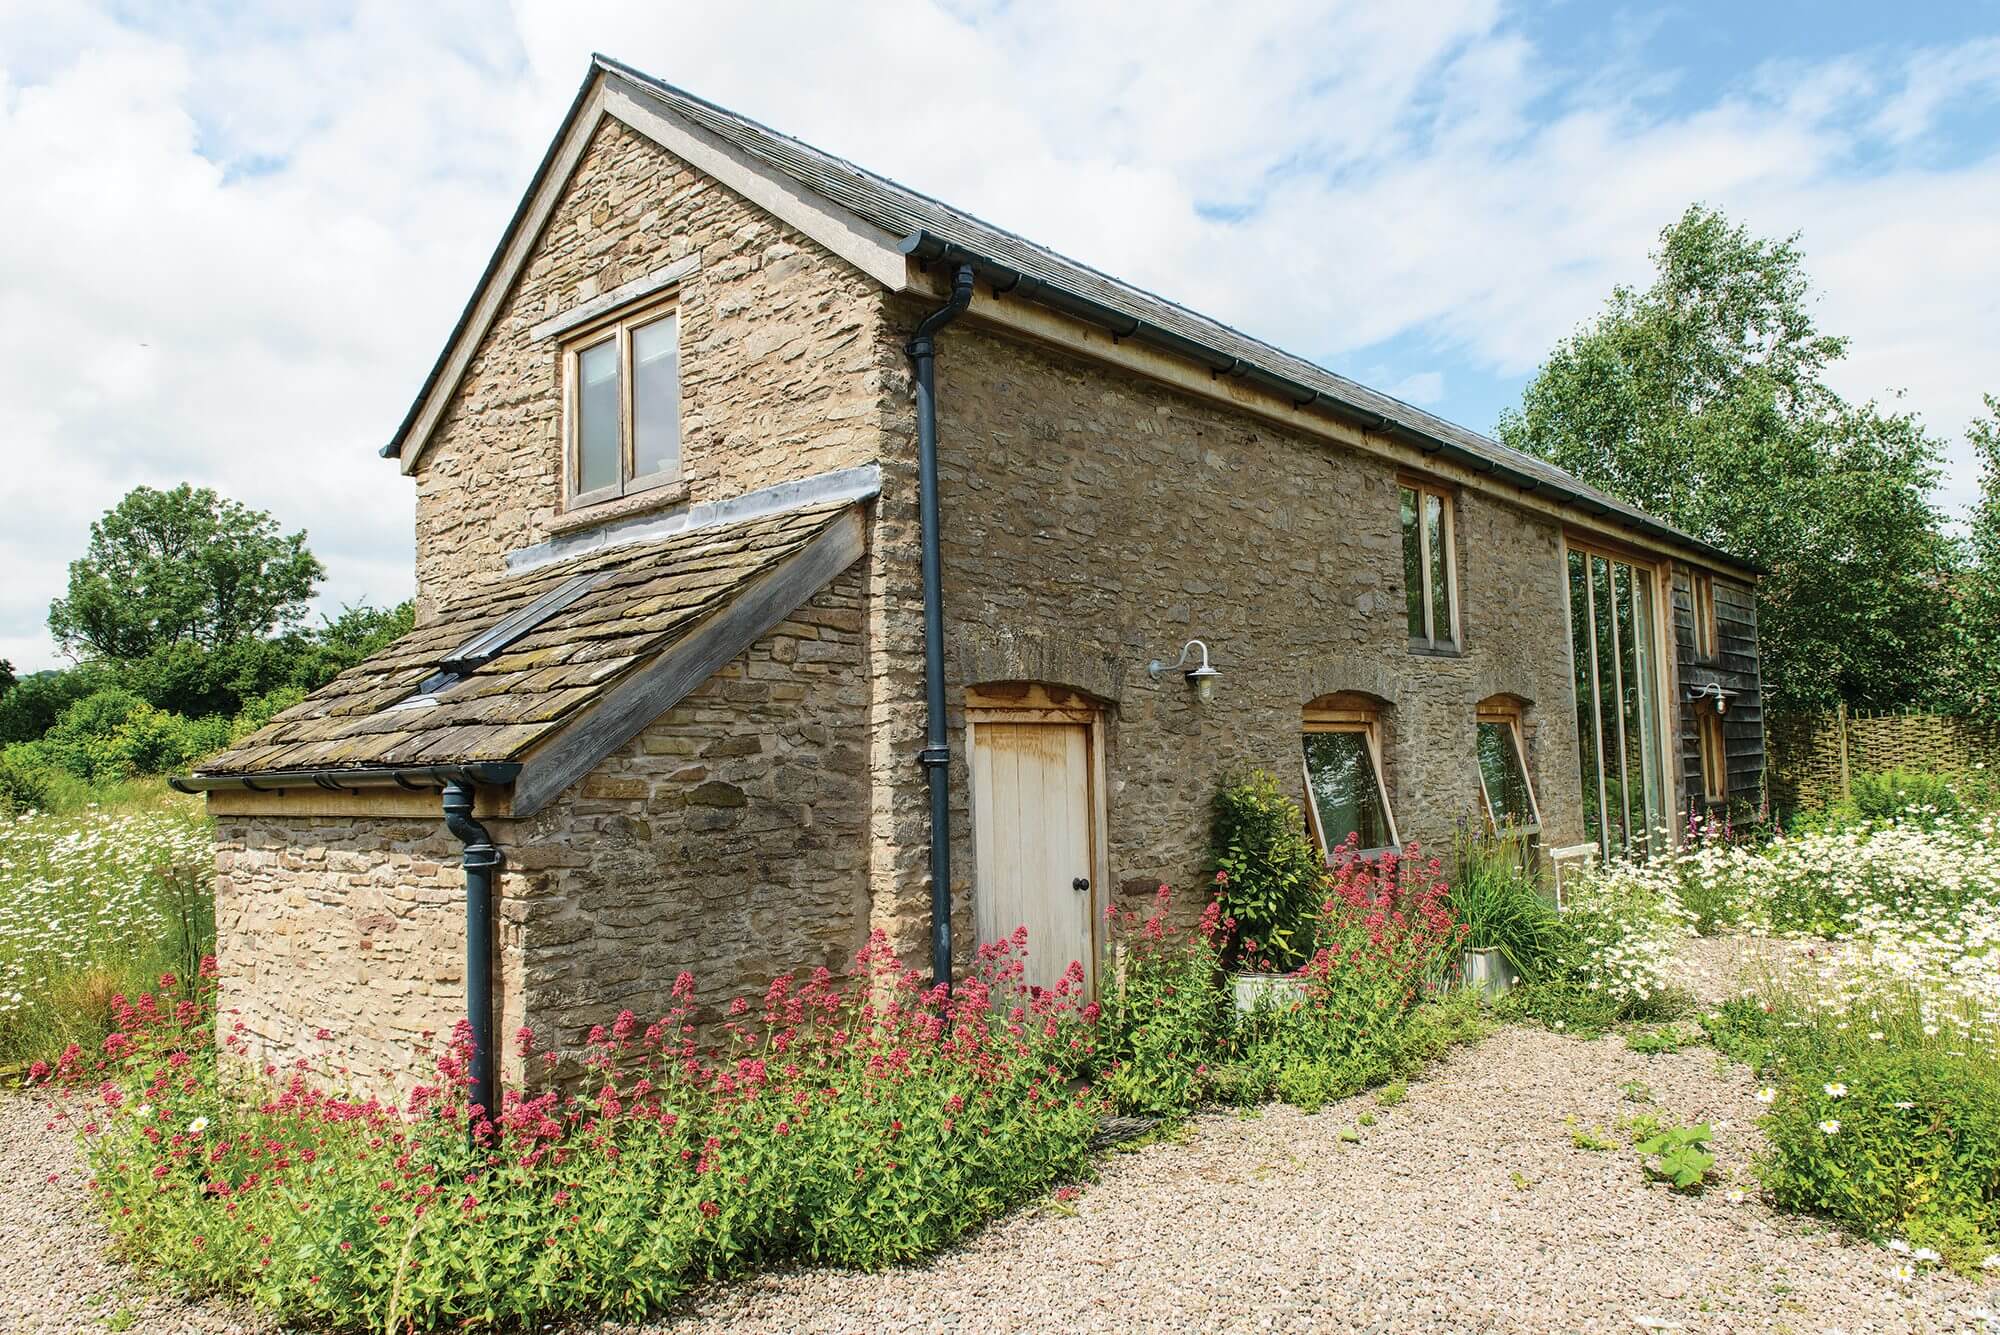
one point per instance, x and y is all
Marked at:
(412, 778)
(928, 247)
(936, 755)
(480, 858)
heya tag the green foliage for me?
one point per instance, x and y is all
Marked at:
(1665, 1038)
(261, 710)
(1884, 1109)
(1593, 1139)
(1972, 686)
(861, 1125)
(1918, 797)
(181, 566)
(1564, 1005)
(96, 901)
(1912, 1141)
(1704, 399)
(1677, 1155)
(1166, 1018)
(34, 704)
(1500, 906)
(1269, 878)
(112, 735)
(1385, 939)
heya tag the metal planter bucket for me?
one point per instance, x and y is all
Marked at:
(1282, 988)
(1488, 972)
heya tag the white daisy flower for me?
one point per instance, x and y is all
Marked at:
(1835, 1089)
(1767, 1095)
(197, 1126)
(1830, 1126)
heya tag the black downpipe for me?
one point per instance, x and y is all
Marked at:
(936, 755)
(481, 857)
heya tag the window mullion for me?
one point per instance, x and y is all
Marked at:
(625, 433)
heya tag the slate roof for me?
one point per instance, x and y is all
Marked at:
(932, 229)
(644, 599)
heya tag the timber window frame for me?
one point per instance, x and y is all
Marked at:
(1711, 743)
(637, 417)
(1345, 716)
(1426, 518)
(1620, 649)
(1701, 599)
(1498, 725)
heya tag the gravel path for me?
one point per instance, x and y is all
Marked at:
(1464, 1207)
(54, 1274)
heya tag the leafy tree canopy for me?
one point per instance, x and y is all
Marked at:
(184, 567)
(1703, 399)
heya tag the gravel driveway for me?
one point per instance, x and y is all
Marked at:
(1464, 1207)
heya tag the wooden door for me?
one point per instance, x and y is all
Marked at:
(1035, 839)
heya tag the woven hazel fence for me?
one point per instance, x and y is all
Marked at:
(1813, 758)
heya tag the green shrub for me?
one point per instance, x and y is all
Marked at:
(1269, 878)
(261, 710)
(1500, 906)
(863, 1125)
(25, 778)
(112, 734)
(1166, 1017)
(1916, 796)
(1564, 1005)
(1900, 1138)
(1386, 940)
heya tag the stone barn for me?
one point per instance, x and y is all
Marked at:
(799, 557)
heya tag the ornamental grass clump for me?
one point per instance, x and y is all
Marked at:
(1386, 943)
(859, 1122)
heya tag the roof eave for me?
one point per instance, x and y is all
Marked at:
(928, 247)
(342, 779)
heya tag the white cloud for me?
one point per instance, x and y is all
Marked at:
(234, 247)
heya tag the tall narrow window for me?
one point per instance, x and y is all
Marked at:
(1714, 756)
(623, 432)
(1703, 599)
(1612, 624)
(1429, 583)
(1342, 748)
(1503, 771)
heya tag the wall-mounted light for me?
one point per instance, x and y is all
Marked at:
(1713, 691)
(1202, 676)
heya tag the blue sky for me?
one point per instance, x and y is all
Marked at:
(241, 233)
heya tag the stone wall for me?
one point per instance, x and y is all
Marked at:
(1094, 521)
(341, 940)
(784, 365)
(728, 839)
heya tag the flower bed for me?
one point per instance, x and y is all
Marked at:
(860, 1124)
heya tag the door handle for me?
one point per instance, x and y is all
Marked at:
(1081, 884)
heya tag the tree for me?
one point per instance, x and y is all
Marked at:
(182, 567)
(1975, 685)
(6, 676)
(1703, 400)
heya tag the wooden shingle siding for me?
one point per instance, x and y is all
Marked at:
(1735, 668)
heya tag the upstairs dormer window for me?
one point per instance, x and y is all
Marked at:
(622, 418)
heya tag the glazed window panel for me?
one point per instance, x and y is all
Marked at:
(1429, 579)
(1503, 775)
(1612, 628)
(1702, 600)
(622, 429)
(1714, 756)
(1347, 802)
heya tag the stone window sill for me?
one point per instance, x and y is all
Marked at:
(624, 507)
(1421, 649)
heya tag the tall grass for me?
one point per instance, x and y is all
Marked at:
(97, 900)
